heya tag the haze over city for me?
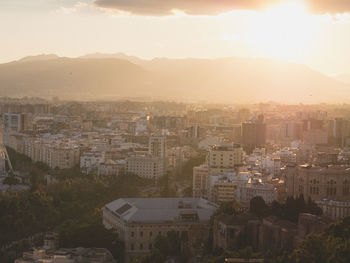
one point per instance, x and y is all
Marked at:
(174, 131)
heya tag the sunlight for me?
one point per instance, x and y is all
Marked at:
(282, 32)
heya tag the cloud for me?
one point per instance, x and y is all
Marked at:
(193, 7)
(214, 7)
(66, 10)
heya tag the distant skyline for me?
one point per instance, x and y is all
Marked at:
(310, 32)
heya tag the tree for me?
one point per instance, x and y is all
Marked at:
(258, 206)
(333, 245)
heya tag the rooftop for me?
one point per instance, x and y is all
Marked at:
(160, 210)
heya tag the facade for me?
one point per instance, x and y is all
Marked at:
(89, 161)
(334, 209)
(55, 154)
(138, 221)
(276, 234)
(67, 255)
(271, 165)
(111, 167)
(15, 122)
(253, 134)
(338, 131)
(201, 181)
(223, 191)
(290, 131)
(318, 182)
(145, 166)
(156, 146)
(229, 232)
(224, 158)
(256, 187)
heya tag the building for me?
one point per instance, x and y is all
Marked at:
(53, 152)
(139, 221)
(271, 165)
(229, 232)
(67, 255)
(145, 166)
(290, 131)
(111, 167)
(276, 234)
(338, 131)
(334, 209)
(255, 187)
(253, 134)
(318, 182)
(156, 146)
(201, 181)
(89, 161)
(225, 158)
(15, 122)
(223, 191)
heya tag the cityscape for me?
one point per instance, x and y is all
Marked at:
(256, 179)
(174, 131)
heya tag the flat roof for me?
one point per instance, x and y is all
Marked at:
(160, 210)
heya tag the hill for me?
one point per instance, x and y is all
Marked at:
(344, 78)
(220, 80)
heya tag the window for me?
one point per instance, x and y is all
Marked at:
(150, 246)
(132, 234)
(132, 246)
(150, 233)
(141, 234)
(141, 246)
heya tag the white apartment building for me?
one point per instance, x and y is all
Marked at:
(89, 161)
(52, 152)
(145, 166)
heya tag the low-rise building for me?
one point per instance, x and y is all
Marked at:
(255, 187)
(111, 167)
(334, 209)
(139, 221)
(67, 255)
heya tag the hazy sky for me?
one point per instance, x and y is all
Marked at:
(312, 32)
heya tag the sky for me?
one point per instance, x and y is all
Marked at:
(311, 32)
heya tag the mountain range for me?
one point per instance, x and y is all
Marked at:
(113, 76)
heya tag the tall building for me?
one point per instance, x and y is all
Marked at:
(338, 131)
(15, 122)
(201, 181)
(291, 130)
(156, 146)
(254, 134)
(224, 157)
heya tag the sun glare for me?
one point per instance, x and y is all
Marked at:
(282, 32)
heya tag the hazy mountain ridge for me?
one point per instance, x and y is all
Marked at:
(343, 78)
(118, 75)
